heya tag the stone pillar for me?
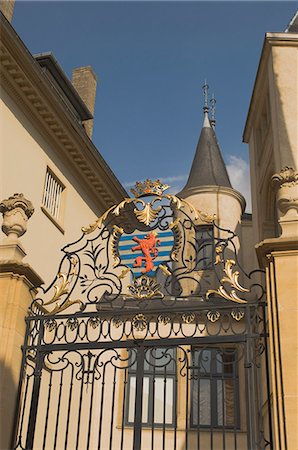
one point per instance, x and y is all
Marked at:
(16, 281)
(85, 82)
(279, 256)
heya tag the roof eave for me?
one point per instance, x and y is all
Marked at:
(270, 40)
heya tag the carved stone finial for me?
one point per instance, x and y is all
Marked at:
(16, 211)
(287, 176)
(286, 182)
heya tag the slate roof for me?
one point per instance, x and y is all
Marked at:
(293, 25)
(208, 167)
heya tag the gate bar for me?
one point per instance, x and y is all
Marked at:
(139, 399)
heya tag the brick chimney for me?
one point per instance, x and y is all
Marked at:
(84, 80)
(6, 7)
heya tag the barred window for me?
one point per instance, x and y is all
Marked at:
(215, 388)
(52, 195)
(204, 247)
(158, 388)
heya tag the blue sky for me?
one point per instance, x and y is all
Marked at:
(151, 59)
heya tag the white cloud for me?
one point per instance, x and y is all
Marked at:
(238, 170)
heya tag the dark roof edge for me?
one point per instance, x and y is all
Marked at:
(48, 60)
(22, 51)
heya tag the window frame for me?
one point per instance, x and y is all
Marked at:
(151, 374)
(56, 219)
(204, 262)
(214, 377)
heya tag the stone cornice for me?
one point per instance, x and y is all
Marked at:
(24, 79)
(273, 247)
(19, 268)
(271, 40)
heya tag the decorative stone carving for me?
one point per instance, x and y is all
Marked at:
(16, 211)
(286, 182)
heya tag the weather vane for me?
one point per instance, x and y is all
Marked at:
(213, 107)
(205, 91)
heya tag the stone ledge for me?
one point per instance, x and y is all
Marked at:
(19, 268)
(275, 245)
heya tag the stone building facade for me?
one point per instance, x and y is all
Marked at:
(55, 181)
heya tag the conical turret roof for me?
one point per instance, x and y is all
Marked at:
(208, 167)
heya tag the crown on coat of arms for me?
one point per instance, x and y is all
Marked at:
(149, 187)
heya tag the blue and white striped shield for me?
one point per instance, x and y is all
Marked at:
(132, 254)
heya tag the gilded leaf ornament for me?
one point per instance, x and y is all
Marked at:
(232, 278)
(147, 214)
(61, 288)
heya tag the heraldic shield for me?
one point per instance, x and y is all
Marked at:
(153, 246)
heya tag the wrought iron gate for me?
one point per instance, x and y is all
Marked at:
(147, 339)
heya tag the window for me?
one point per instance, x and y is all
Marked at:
(158, 387)
(215, 388)
(204, 248)
(52, 195)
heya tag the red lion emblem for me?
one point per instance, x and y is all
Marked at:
(149, 250)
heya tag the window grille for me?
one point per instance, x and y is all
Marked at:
(159, 400)
(204, 247)
(52, 195)
(215, 388)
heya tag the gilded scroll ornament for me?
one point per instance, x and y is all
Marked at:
(231, 278)
(145, 288)
(147, 214)
(61, 288)
(213, 316)
(237, 314)
(139, 322)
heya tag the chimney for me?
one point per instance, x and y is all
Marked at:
(6, 7)
(84, 80)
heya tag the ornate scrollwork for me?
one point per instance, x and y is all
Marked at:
(145, 288)
(213, 316)
(142, 250)
(237, 314)
(139, 322)
(61, 289)
(232, 278)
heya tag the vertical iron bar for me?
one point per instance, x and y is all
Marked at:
(137, 437)
(91, 407)
(80, 405)
(20, 403)
(213, 397)
(223, 399)
(186, 406)
(69, 407)
(58, 412)
(48, 410)
(164, 407)
(175, 404)
(19, 438)
(267, 378)
(198, 406)
(236, 401)
(34, 401)
(101, 405)
(123, 409)
(249, 385)
(112, 409)
(153, 404)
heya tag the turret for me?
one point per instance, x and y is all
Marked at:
(208, 186)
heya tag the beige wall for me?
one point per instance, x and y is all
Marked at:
(25, 156)
(272, 133)
(271, 129)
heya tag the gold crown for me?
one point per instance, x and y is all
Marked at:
(149, 187)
